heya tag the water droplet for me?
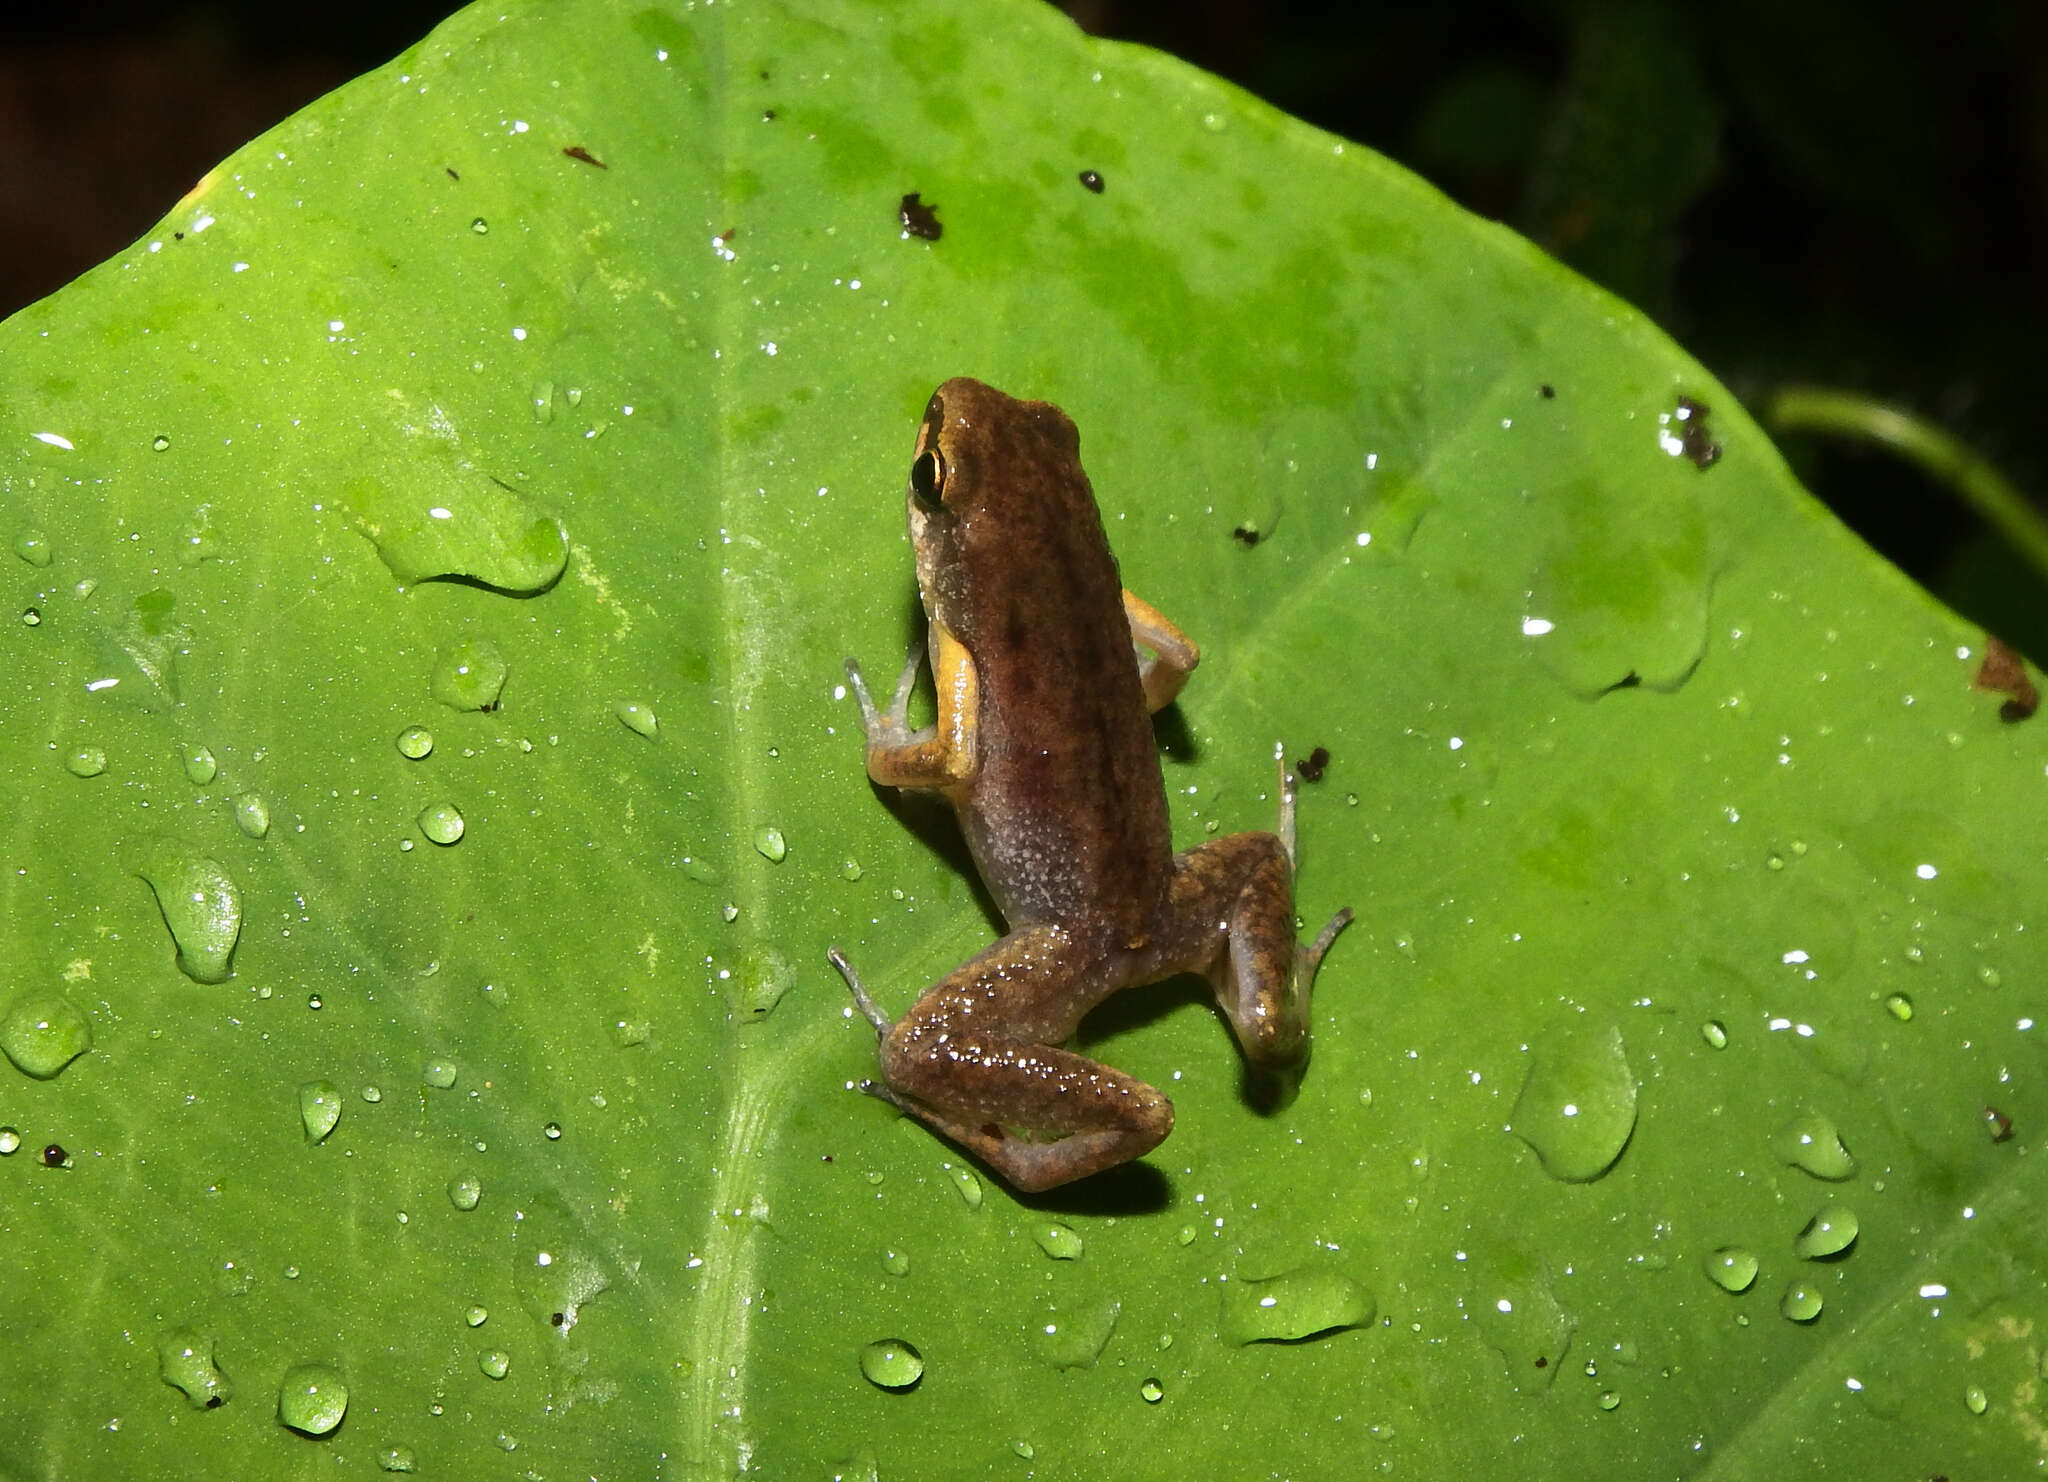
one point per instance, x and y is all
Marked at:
(54, 1156)
(1731, 1268)
(415, 742)
(544, 402)
(43, 1033)
(700, 870)
(480, 226)
(1074, 1337)
(469, 674)
(896, 1263)
(1516, 1310)
(1295, 1304)
(770, 843)
(33, 547)
(1810, 1142)
(86, 761)
(850, 870)
(552, 1132)
(554, 1268)
(200, 905)
(10, 1142)
(441, 823)
(440, 1074)
(1577, 1107)
(1829, 1233)
(32, 616)
(319, 1108)
(372, 1095)
(637, 718)
(252, 815)
(396, 1459)
(627, 1033)
(200, 766)
(1061, 1242)
(1899, 1006)
(442, 519)
(465, 1192)
(764, 975)
(184, 1360)
(1607, 1399)
(1024, 1449)
(965, 1181)
(159, 443)
(1975, 1400)
(476, 1317)
(1801, 1302)
(1988, 976)
(891, 1363)
(1152, 1391)
(495, 1363)
(312, 1399)
(199, 541)
(1715, 1033)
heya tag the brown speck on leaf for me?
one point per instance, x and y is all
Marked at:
(2004, 672)
(578, 152)
(1311, 767)
(919, 219)
(1246, 535)
(1546, 391)
(1695, 441)
(1092, 180)
(768, 115)
(451, 172)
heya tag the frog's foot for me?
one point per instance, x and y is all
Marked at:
(889, 727)
(1287, 788)
(871, 1010)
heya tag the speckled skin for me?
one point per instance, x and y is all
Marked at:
(1044, 748)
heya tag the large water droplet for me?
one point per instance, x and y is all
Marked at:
(200, 905)
(1802, 1301)
(1829, 1233)
(415, 742)
(440, 1073)
(1577, 1108)
(891, 1363)
(1810, 1142)
(1073, 1337)
(763, 975)
(319, 1108)
(312, 1399)
(636, 717)
(200, 766)
(1295, 1304)
(896, 1263)
(439, 519)
(442, 823)
(43, 1033)
(1061, 1242)
(495, 1363)
(771, 845)
(1731, 1268)
(252, 815)
(85, 761)
(469, 674)
(33, 547)
(465, 1192)
(967, 1183)
(396, 1459)
(184, 1360)
(1517, 1311)
(553, 1268)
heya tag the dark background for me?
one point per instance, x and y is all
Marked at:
(1852, 193)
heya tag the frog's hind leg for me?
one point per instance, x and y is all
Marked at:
(966, 1061)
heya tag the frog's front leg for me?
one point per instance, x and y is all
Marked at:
(1261, 975)
(977, 1059)
(942, 754)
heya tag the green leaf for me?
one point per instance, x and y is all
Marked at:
(1645, 779)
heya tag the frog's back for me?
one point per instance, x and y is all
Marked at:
(1067, 814)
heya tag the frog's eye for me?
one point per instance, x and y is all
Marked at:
(928, 480)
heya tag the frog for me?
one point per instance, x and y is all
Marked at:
(1046, 674)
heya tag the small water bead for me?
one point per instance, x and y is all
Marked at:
(635, 717)
(43, 1033)
(627, 1033)
(1185, 1235)
(252, 815)
(891, 1363)
(1608, 1399)
(54, 1156)
(1715, 1033)
(1024, 1449)
(769, 843)
(466, 1192)
(184, 1360)
(476, 1317)
(415, 743)
(1810, 1142)
(967, 1183)
(495, 1363)
(1061, 1242)
(32, 616)
(200, 765)
(371, 1094)
(1731, 1268)
(470, 674)
(319, 1109)
(1801, 1302)
(1975, 1400)
(1152, 1391)
(480, 226)
(396, 1459)
(441, 823)
(1988, 976)
(10, 1142)
(159, 443)
(312, 1399)
(552, 1131)
(1829, 1233)
(896, 1263)
(86, 761)
(440, 1074)
(33, 547)
(1073, 1336)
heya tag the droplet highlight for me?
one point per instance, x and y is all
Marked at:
(312, 1399)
